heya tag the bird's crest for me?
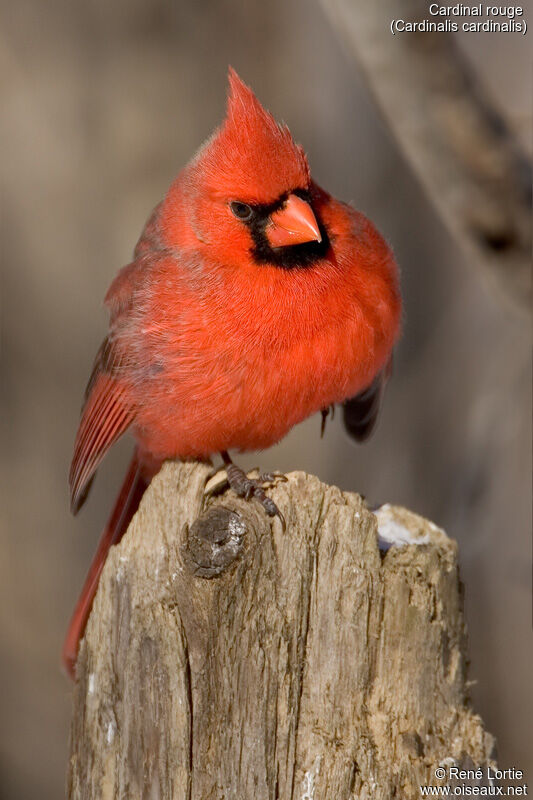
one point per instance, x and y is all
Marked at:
(252, 157)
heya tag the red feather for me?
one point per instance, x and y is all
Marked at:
(126, 505)
(107, 414)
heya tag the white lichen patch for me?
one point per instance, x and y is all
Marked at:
(110, 732)
(393, 533)
(91, 683)
(309, 780)
(448, 762)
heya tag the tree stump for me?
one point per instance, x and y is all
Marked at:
(228, 658)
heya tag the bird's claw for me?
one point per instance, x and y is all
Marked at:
(249, 488)
(271, 477)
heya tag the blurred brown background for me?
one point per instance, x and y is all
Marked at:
(102, 105)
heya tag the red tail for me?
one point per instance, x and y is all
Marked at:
(127, 504)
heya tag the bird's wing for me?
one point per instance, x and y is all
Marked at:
(108, 410)
(360, 413)
(120, 296)
(106, 415)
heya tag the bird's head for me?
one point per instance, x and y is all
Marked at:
(247, 197)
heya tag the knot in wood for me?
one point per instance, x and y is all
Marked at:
(214, 541)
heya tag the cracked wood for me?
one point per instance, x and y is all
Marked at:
(304, 664)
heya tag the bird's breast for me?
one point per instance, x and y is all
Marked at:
(237, 368)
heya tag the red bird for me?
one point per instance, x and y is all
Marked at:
(254, 299)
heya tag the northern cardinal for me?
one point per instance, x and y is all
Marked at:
(254, 299)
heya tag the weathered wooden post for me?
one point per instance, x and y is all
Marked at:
(227, 658)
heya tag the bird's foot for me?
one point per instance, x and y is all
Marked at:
(248, 487)
(269, 477)
(325, 412)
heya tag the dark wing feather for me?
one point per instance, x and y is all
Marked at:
(360, 413)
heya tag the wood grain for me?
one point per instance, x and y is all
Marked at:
(309, 664)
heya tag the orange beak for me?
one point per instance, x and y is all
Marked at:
(294, 223)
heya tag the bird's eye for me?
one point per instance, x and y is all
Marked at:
(241, 210)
